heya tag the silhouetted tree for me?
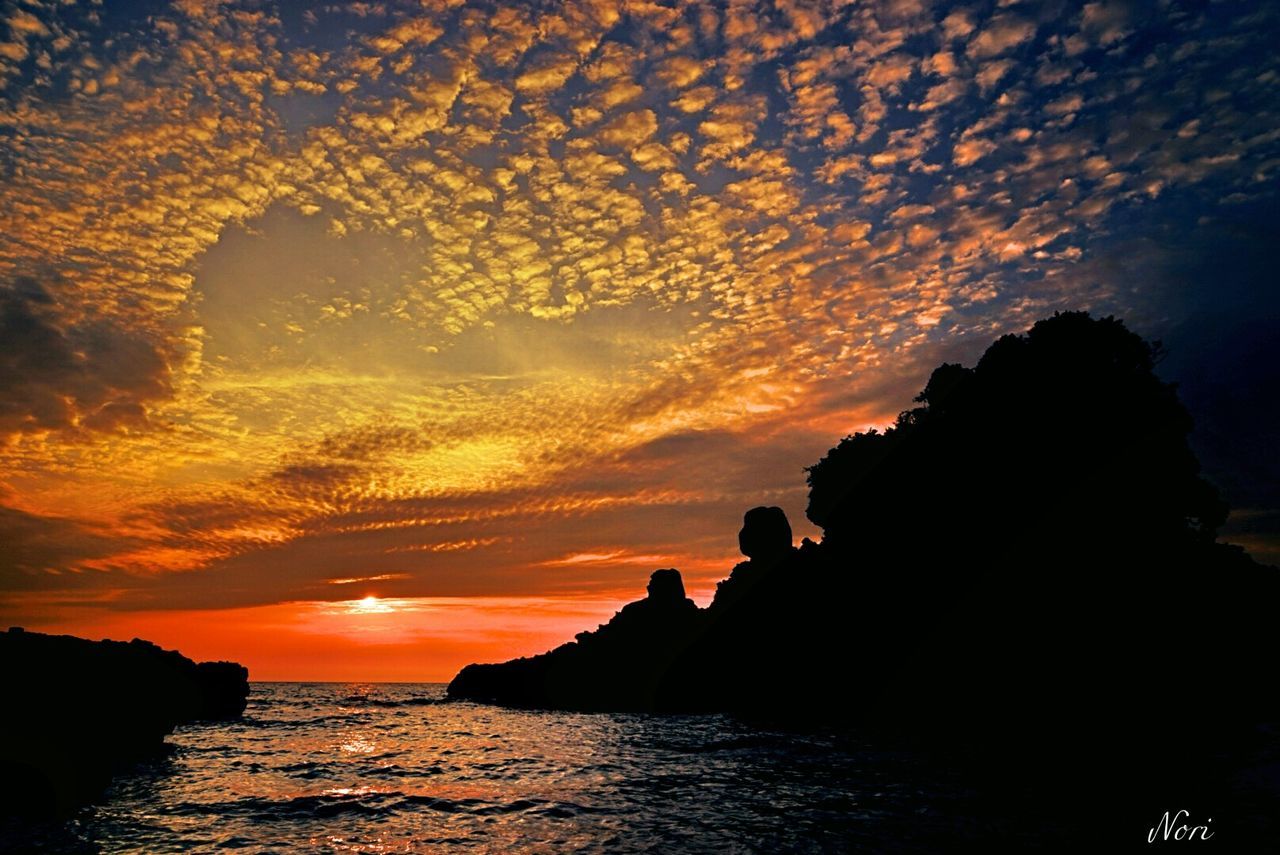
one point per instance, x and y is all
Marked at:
(1064, 430)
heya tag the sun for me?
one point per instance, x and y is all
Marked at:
(370, 605)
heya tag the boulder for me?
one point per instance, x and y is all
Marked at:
(765, 534)
(666, 586)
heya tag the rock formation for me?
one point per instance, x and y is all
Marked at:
(1032, 543)
(75, 711)
(619, 666)
(1022, 573)
(766, 540)
(666, 586)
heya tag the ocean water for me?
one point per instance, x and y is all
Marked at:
(395, 768)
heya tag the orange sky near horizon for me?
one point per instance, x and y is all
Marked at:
(490, 309)
(367, 640)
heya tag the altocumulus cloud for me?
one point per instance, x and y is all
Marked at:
(444, 292)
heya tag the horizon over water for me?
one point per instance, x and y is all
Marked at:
(394, 767)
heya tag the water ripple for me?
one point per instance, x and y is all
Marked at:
(378, 768)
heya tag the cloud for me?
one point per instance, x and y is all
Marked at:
(967, 152)
(731, 127)
(1105, 23)
(47, 552)
(547, 74)
(630, 129)
(999, 35)
(57, 375)
(679, 72)
(957, 25)
(440, 293)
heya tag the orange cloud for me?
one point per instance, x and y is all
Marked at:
(1000, 34)
(438, 300)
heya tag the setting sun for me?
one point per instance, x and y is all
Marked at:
(371, 605)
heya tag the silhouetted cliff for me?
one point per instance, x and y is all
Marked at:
(1026, 562)
(75, 711)
(1033, 536)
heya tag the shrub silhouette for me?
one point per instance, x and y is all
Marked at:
(1065, 431)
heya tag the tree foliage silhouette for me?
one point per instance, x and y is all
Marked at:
(1065, 433)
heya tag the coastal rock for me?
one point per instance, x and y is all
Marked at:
(666, 586)
(618, 666)
(765, 534)
(78, 711)
(765, 539)
(1012, 552)
(224, 690)
(756, 624)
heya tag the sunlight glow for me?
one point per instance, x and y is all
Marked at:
(370, 605)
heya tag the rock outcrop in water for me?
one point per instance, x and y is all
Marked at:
(75, 711)
(1031, 543)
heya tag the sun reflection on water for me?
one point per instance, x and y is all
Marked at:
(357, 745)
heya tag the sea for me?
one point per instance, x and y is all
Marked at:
(374, 768)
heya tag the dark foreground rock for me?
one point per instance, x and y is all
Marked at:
(619, 666)
(76, 711)
(1022, 571)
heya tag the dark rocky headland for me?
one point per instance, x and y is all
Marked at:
(77, 711)
(1023, 571)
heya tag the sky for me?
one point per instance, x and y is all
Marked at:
(361, 341)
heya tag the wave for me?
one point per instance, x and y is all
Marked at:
(480, 807)
(360, 700)
(333, 718)
(305, 771)
(371, 804)
(298, 807)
